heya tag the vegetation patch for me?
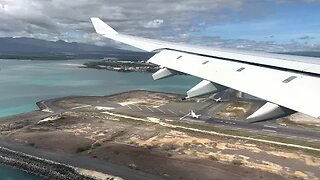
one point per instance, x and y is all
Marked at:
(214, 158)
(169, 147)
(235, 110)
(83, 149)
(237, 162)
(208, 127)
(289, 122)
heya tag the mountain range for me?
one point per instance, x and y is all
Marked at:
(37, 49)
(31, 48)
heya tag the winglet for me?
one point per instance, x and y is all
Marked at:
(101, 27)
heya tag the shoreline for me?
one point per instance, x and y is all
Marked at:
(59, 165)
(81, 140)
(36, 161)
(37, 166)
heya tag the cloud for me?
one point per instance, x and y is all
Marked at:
(154, 23)
(245, 44)
(162, 19)
(294, 1)
(306, 38)
(57, 18)
(60, 19)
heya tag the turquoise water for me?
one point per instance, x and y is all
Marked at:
(23, 83)
(7, 173)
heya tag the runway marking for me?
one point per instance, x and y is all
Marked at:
(138, 107)
(129, 107)
(184, 116)
(79, 107)
(268, 130)
(306, 138)
(217, 133)
(227, 122)
(274, 127)
(253, 131)
(161, 110)
(312, 140)
(182, 112)
(150, 109)
(172, 112)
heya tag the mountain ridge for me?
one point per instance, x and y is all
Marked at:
(39, 49)
(31, 48)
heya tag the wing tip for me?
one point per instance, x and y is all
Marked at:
(101, 27)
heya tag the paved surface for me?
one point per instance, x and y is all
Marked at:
(269, 128)
(177, 110)
(172, 110)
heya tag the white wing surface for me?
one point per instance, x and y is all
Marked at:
(289, 81)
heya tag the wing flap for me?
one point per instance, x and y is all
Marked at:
(295, 91)
(289, 81)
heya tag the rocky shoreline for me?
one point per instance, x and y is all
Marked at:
(44, 168)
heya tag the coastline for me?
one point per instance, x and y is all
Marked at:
(75, 136)
(58, 165)
(37, 166)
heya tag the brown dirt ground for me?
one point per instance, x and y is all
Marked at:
(158, 150)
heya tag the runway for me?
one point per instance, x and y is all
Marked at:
(267, 127)
(176, 110)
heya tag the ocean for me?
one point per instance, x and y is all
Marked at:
(24, 82)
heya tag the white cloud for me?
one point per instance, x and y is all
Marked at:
(169, 20)
(154, 23)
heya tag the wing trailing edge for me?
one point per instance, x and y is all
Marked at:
(282, 80)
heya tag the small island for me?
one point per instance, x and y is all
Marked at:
(122, 66)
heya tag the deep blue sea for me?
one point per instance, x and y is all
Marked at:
(23, 83)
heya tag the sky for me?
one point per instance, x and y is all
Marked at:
(267, 25)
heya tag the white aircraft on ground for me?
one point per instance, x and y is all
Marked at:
(191, 114)
(194, 115)
(286, 81)
(218, 99)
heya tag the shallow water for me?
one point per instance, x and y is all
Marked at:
(23, 83)
(8, 173)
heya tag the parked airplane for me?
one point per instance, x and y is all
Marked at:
(194, 115)
(191, 114)
(218, 99)
(286, 81)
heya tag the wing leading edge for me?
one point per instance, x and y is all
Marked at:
(294, 84)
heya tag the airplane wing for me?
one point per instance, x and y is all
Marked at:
(289, 81)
